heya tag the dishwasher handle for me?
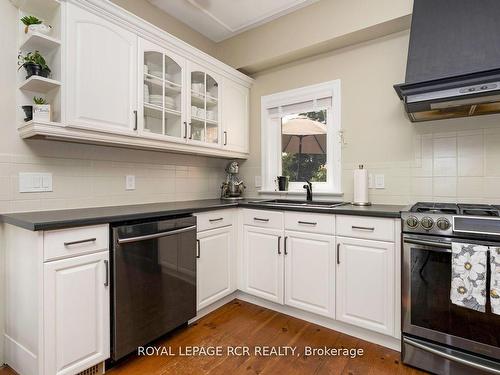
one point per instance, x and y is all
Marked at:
(156, 235)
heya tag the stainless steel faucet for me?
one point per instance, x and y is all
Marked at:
(309, 191)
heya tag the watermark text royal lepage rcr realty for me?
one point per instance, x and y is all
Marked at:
(239, 351)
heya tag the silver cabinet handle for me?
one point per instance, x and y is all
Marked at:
(198, 249)
(439, 352)
(190, 131)
(225, 138)
(371, 229)
(286, 251)
(279, 245)
(135, 120)
(156, 235)
(185, 129)
(80, 241)
(307, 222)
(259, 219)
(338, 253)
(215, 220)
(106, 265)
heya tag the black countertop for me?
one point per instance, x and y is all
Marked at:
(48, 220)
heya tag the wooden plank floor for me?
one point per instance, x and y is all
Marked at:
(241, 323)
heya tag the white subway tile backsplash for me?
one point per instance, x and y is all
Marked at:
(445, 167)
(444, 187)
(471, 166)
(445, 147)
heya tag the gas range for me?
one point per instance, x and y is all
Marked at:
(452, 220)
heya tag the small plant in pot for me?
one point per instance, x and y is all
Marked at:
(35, 25)
(35, 64)
(40, 111)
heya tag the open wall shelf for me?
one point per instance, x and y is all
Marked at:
(39, 84)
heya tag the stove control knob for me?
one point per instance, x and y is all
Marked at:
(427, 223)
(412, 222)
(443, 223)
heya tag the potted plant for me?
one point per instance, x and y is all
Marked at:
(35, 64)
(39, 111)
(35, 24)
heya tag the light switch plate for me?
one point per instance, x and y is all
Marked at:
(130, 182)
(35, 182)
(379, 181)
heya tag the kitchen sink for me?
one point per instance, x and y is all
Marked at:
(297, 203)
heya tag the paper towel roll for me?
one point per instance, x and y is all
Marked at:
(361, 186)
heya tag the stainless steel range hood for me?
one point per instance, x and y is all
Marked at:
(453, 67)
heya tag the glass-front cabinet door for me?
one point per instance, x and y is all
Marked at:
(161, 93)
(204, 107)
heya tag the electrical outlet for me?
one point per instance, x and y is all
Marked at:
(379, 181)
(258, 181)
(35, 182)
(371, 185)
(130, 182)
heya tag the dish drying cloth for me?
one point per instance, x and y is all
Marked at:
(495, 280)
(468, 276)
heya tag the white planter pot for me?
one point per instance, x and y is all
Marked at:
(41, 28)
(42, 112)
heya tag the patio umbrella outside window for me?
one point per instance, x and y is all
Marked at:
(303, 136)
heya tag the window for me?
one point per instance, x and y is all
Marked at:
(301, 136)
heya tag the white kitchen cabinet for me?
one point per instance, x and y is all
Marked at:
(161, 93)
(263, 263)
(235, 116)
(204, 106)
(365, 294)
(76, 310)
(101, 72)
(57, 303)
(215, 266)
(310, 272)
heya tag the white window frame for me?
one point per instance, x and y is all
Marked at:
(271, 136)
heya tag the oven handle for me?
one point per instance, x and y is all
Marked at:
(451, 357)
(156, 235)
(442, 245)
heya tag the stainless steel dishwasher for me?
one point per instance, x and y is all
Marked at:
(153, 281)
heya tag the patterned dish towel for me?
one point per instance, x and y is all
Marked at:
(495, 280)
(468, 276)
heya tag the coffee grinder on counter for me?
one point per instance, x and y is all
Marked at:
(233, 187)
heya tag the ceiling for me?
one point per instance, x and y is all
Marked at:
(221, 19)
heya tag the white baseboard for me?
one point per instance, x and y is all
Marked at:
(19, 358)
(348, 329)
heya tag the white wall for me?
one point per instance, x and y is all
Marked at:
(449, 160)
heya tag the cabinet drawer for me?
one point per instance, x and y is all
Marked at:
(310, 222)
(262, 218)
(372, 228)
(70, 242)
(214, 219)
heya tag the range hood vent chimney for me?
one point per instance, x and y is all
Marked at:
(453, 67)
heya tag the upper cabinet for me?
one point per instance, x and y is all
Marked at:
(235, 117)
(204, 108)
(125, 82)
(100, 72)
(161, 92)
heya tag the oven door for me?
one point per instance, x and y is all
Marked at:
(427, 310)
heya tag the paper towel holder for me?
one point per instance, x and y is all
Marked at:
(361, 166)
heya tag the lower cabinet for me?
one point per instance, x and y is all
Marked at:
(310, 272)
(76, 310)
(365, 284)
(263, 262)
(215, 266)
